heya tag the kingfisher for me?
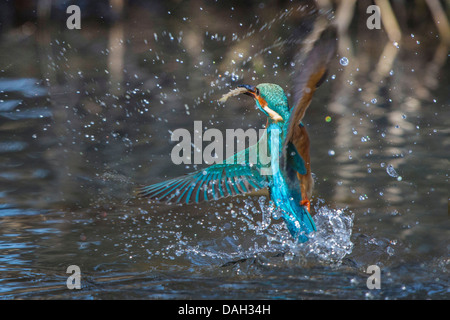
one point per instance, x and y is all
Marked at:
(287, 174)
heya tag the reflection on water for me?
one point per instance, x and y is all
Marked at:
(86, 116)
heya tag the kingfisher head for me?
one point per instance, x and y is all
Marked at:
(270, 99)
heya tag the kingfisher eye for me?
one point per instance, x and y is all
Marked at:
(257, 91)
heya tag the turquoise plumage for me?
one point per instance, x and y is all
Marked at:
(237, 176)
(288, 174)
(234, 176)
(287, 195)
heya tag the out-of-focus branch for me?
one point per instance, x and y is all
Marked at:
(389, 20)
(440, 19)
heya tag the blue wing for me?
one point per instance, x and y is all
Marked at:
(212, 183)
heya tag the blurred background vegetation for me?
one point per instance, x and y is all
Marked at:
(400, 19)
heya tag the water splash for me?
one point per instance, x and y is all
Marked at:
(331, 242)
(258, 233)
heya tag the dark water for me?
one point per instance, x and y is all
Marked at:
(86, 116)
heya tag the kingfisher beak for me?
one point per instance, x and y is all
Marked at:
(253, 92)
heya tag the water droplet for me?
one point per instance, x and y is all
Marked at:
(344, 61)
(331, 152)
(127, 142)
(391, 171)
(374, 101)
(390, 251)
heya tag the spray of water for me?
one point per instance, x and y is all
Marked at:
(261, 234)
